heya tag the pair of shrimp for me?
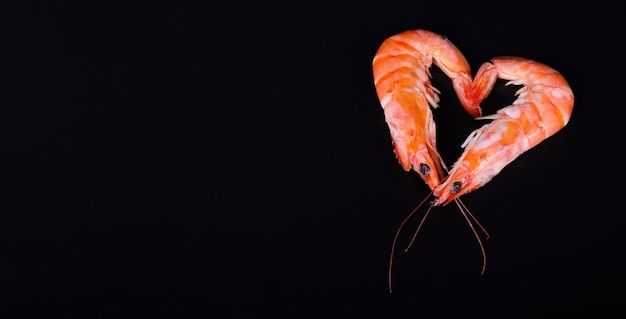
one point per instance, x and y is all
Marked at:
(401, 75)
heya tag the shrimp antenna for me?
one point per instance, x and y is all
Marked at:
(395, 238)
(459, 202)
(465, 213)
(418, 228)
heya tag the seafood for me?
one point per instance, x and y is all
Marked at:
(402, 79)
(543, 107)
(401, 74)
(401, 69)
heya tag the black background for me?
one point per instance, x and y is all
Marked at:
(176, 159)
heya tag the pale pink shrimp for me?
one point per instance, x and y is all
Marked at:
(543, 106)
(402, 78)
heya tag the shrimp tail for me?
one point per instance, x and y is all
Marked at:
(472, 92)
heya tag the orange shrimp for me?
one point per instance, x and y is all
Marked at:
(543, 106)
(402, 78)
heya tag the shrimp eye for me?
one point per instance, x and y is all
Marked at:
(425, 169)
(456, 186)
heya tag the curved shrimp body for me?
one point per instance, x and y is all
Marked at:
(543, 107)
(402, 78)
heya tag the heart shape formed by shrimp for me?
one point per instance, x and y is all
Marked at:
(402, 78)
(401, 74)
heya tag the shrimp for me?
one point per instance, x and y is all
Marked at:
(402, 79)
(543, 107)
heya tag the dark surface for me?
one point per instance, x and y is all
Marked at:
(168, 160)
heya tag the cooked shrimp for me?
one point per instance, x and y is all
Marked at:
(543, 106)
(402, 78)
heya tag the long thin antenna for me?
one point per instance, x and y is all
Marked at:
(395, 238)
(418, 228)
(472, 216)
(480, 243)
